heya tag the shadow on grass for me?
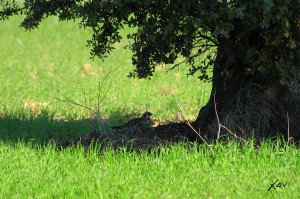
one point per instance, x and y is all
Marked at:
(43, 128)
(40, 128)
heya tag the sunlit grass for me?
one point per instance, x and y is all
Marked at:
(222, 171)
(42, 68)
(53, 61)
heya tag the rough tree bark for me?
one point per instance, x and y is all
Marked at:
(247, 104)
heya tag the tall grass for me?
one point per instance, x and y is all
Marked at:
(221, 171)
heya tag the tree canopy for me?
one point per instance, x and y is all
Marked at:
(166, 30)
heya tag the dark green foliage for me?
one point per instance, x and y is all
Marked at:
(165, 30)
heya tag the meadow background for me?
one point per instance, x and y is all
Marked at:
(42, 69)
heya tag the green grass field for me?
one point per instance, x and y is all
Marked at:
(42, 69)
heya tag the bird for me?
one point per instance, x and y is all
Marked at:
(143, 121)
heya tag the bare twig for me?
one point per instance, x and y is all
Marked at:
(198, 133)
(233, 133)
(187, 122)
(187, 59)
(100, 88)
(147, 103)
(219, 125)
(288, 130)
(99, 99)
(208, 38)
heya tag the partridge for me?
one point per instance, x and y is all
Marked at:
(143, 121)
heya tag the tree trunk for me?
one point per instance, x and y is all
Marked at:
(247, 104)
